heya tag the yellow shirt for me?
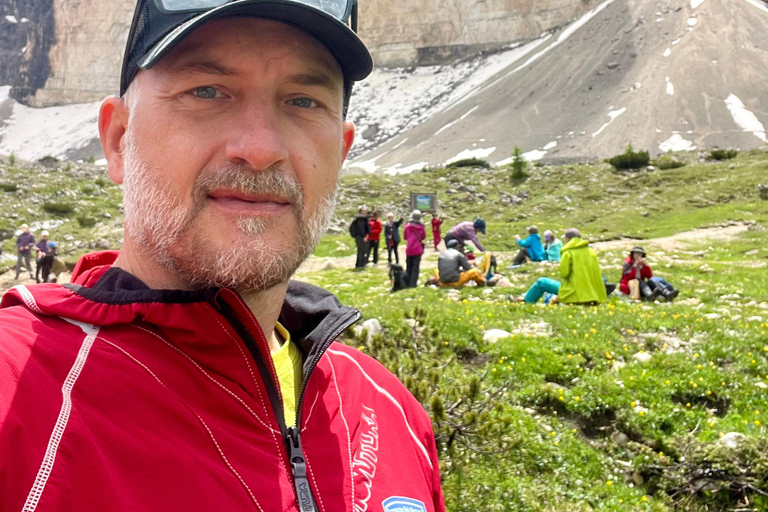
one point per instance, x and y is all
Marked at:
(287, 360)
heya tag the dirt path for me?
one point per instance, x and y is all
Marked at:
(678, 241)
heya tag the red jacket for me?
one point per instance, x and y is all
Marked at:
(436, 223)
(121, 398)
(375, 230)
(629, 273)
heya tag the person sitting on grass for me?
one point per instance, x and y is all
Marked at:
(638, 281)
(467, 232)
(454, 269)
(529, 247)
(580, 271)
(552, 247)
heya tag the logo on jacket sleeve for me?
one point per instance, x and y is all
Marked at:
(366, 461)
(400, 504)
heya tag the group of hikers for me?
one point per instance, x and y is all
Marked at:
(47, 263)
(581, 278)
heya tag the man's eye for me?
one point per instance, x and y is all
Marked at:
(206, 93)
(302, 102)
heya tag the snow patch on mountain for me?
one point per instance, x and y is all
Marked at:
(32, 133)
(746, 120)
(670, 88)
(759, 5)
(613, 115)
(676, 143)
(390, 101)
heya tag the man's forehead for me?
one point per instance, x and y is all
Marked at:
(232, 41)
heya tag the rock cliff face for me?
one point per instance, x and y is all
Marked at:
(56, 52)
(425, 32)
(27, 33)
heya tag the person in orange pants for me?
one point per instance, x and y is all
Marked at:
(436, 223)
(454, 270)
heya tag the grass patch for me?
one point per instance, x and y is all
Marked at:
(58, 207)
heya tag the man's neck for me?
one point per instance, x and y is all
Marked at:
(265, 305)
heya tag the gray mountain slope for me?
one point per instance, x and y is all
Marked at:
(662, 69)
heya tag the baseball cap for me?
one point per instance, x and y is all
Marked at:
(159, 25)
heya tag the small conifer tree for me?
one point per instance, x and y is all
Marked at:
(519, 164)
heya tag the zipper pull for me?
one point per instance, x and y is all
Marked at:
(299, 470)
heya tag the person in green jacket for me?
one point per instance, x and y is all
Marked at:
(580, 272)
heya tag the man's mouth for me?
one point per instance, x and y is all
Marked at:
(249, 203)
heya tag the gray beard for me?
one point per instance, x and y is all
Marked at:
(164, 228)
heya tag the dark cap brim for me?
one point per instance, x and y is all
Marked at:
(341, 41)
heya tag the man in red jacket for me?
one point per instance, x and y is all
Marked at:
(187, 372)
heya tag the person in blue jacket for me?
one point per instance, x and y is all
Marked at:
(530, 247)
(552, 246)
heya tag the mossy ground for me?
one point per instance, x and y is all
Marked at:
(578, 423)
(589, 423)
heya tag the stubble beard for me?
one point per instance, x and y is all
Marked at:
(165, 229)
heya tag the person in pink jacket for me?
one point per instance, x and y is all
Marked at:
(414, 235)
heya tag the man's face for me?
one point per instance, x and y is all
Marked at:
(232, 154)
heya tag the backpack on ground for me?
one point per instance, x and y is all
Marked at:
(398, 278)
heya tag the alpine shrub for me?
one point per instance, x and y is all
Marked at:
(722, 154)
(470, 162)
(668, 162)
(630, 159)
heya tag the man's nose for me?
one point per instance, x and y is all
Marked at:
(257, 137)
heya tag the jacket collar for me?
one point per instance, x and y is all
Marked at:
(101, 294)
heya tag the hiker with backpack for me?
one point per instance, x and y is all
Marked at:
(638, 281)
(360, 230)
(392, 237)
(45, 262)
(414, 234)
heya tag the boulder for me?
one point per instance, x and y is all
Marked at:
(371, 328)
(642, 357)
(494, 335)
(732, 440)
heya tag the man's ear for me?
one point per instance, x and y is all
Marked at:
(113, 125)
(349, 138)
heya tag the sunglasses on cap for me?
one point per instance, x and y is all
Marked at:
(159, 25)
(339, 9)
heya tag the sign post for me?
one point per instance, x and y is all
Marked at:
(426, 203)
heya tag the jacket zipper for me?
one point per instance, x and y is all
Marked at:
(291, 435)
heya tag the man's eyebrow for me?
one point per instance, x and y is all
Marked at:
(315, 79)
(205, 67)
